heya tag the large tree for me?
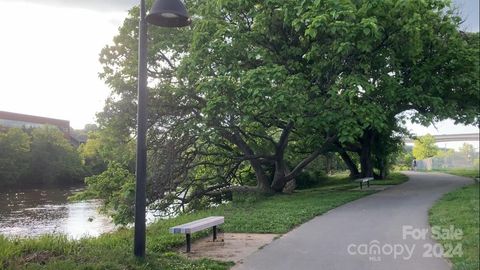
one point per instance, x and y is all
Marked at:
(246, 64)
(407, 56)
(242, 89)
(262, 88)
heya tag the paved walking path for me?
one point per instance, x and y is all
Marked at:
(345, 238)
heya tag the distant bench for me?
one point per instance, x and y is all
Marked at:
(363, 180)
(198, 225)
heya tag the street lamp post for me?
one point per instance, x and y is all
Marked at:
(166, 13)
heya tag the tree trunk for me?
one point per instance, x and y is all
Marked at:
(289, 185)
(286, 175)
(263, 183)
(366, 166)
(352, 167)
(383, 170)
(328, 163)
(366, 154)
(279, 180)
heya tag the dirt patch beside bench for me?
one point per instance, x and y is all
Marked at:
(229, 246)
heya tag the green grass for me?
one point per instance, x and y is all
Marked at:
(392, 179)
(342, 181)
(460, 209)
(472, 173)
(111, 251)
(253, 214)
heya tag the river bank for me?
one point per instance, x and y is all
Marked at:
(274, 214)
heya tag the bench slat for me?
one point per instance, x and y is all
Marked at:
(197, 225)
(366, 179)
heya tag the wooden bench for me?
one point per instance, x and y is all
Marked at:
(363, 180)
(198, 225)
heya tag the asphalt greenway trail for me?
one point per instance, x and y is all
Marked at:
(386, 230)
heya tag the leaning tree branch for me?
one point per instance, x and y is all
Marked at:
(309, 159)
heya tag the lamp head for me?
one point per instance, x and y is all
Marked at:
(168, 13)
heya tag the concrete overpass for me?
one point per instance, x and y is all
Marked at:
(469, 137)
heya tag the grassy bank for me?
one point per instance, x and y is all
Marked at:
(342, 181)
(460, 209)
(393, 179)
(471, 173)
(255, 214)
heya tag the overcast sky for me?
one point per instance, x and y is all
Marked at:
(49, 56)
(96, 5)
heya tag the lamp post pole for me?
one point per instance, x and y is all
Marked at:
(141, 163)
(165, 13)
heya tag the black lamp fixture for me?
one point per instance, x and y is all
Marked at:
(166, 13)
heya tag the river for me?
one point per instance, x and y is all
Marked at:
(38, 211)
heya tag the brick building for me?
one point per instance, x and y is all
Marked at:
(17, 120)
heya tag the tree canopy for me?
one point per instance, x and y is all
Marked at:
(255, 91)
(14, 155)
(424, 147)
(38, 156)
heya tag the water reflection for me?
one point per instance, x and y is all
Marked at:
(33, 212)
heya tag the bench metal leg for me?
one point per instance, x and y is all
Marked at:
(189, 242)
(361, 186)
(368, 183)
(214, 233)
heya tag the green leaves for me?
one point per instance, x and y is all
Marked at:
(14, 155)
(116, 188)
(44, 157)
(224, 90)
(424, 147)
(53, 158)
